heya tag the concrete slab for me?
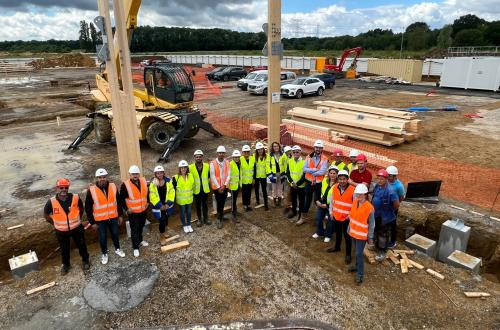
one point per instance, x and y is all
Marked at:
(422, 244)
(23, 264)
(464, 260)
(454, 235)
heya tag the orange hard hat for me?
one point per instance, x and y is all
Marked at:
(62, 182)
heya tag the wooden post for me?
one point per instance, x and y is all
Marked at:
(274, 68)
(124, 117)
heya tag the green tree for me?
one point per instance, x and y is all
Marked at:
(444, 39)
(94, 38)
(469, 37)
(84, 37)
(467, 22)
(492, 33)
(417, 36)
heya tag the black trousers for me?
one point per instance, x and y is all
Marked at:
(163, 221)
(382, 233)
(201, 205)
(136, 221)
(64, 239)
(246, 194)
(341, 229)
(220, 200)
(263, 184)
(312, 190)
(297, 194)
(394, 229)
(234, 193)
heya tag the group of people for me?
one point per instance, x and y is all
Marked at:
(340, 190)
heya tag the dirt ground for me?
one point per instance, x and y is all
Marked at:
(262, 268)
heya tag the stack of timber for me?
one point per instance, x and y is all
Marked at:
(14, 68)
(339, 120)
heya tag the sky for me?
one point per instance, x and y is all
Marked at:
(59, 19)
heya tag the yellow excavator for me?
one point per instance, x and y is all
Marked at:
(164, 108)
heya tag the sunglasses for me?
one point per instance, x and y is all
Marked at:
(63, 188)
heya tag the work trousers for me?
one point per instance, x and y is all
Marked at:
(297, 195)
(312, 190)
(262, 183)
(382, 233)
(137, 222)
(185, 214)
(201, 205)
(163, 222)
(321, 213)
(359, 245)
(277, 187)
(64, 239)
(394, 229)
(234, 193)
(246, 194)
(103, 226)
(341, 229)
(220, 200)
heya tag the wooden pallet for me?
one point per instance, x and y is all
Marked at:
(368, 109)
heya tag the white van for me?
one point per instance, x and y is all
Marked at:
(259, 86)
(243, 83)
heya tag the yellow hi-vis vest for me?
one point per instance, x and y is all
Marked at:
(283, 161)
(154, 197)
(247, 167)
(235, 176)
(185, 189)
(295, 168)
(263, 168)
(324, 186)
(200, 182)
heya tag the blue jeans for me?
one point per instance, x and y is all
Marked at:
(103, 226)
(320, 229)
(359, 245)
(185, 211)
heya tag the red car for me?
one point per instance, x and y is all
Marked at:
(256, 68)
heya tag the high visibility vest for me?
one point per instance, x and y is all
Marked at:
(272, 164)
(341, 203)
(220, 177)
(310, 164)
(137, 200)
(63, 221)
(340, 165)
(154, 196)
(325, 186)
(203, 182)
(358, 225)
(284, 163)
(351, 167)
(295, 167)
(105, 206)
(262, 167)
(184, 190)
(246, 169)
(234, 176)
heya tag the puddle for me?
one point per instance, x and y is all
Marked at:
(20, 81)
(488, 126)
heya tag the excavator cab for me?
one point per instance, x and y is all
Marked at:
(168, 82)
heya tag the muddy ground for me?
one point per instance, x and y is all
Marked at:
(261, 268)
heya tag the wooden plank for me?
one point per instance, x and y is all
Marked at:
(477, 294)
(368, 109)
(370, 256)
(393, 257)
(174, 247)
(404, 122)
(172, 238)
(404, 266)
(416, 264)
(15, 227)
(407, 252)
(434, 273)
(293, 123)
(40, 288)
(407, 261)
(345, 129)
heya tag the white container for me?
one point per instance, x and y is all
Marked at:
(471, 73)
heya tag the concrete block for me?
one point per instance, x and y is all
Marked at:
(464, 260)
(454, 235)
(23, 264)
(422, 244)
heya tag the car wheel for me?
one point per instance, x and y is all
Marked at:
(265, 91)
(158, 135)
(102, 126)
(225, 78)
(299, 94)
(320, 91)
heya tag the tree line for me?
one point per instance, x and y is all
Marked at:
(467, 30)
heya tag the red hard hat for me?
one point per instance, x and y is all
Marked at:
(383, 173)
(361, 157)
(62, 183)
(338, 152)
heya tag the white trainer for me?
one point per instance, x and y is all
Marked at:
(104, 259)
(136, 253)
(315, 236)
(190, 229)
(144, 243)
(120, 253)
(186, 229)
(327, 239)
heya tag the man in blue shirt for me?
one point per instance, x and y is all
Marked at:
(385, 201)
(399, 188)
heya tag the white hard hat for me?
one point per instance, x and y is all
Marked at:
(246, 147)
(101, 172)
(159, 168)
(183, 163)
(134, 169)
(198, 152)
(287, 149)
(353, 153)
(259, 145)
(343, 172)
(392, 170)
(221, 149)
(236, 153)
(333, 167)
(361, 189)
(319, 144)
(296, 148)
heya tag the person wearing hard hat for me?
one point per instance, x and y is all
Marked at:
(340, 205)
(315, 168)
(352, 157)
(201, 174)
(220, 173)
(360, 174)
(296, 180)
(399, 188)
(161, 198)
(323, 206)
(183, 183)
(275, 173)
(385, 201)
(361, 228)
(235, 181)
(134, 196)
(104, 211)
(64, 213)
(338, 162)
(262, 171)
(247, 176)
(287, 155)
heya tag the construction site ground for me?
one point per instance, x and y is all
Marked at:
(264, 267)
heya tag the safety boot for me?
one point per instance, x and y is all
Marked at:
(200, 223)
(219, 221)
(207, 221)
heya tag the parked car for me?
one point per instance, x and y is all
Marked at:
(327, 78)
(210, 74)
(302, 86)
(259, 86)
(252, 76)
(230, 73)
(258, 68)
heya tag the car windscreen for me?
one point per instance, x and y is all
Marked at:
(226, 70)
(251, 76)
(299, 81)
(261, 77)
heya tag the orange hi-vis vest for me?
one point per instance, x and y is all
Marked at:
(63, 221)
(310, 163)
(358, 225)
(221, 178)
(342, 203)
(105, 207)
(137, 200)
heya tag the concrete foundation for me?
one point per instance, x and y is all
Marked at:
(454, 235)
(23, 264)
(464, 260)
(422, 244)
